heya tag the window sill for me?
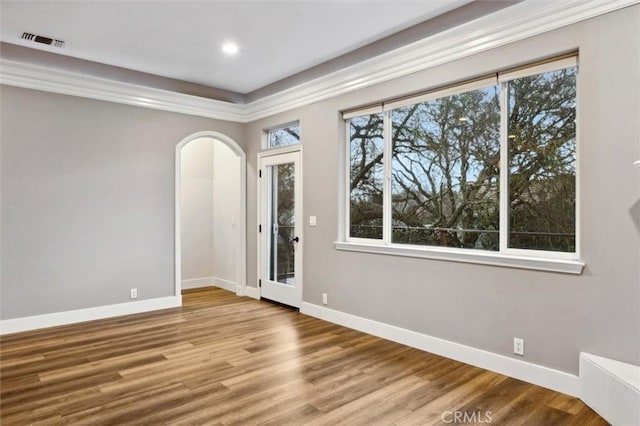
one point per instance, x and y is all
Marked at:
(574, 267)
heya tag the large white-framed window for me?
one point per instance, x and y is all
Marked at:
(484, 171)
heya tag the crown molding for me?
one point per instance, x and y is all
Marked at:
(523, 20)
(67, 83)
(518, 22)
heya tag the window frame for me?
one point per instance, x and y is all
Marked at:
(546, 260)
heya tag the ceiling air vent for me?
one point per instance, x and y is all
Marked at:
(41, 39)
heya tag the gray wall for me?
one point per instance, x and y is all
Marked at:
(558, 315)
(227, 206)
(87, 200)
(196, 208)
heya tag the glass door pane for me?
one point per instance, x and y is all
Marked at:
(280, 200)
(282, 223)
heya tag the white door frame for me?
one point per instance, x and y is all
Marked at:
(261, 213)
(242, 232)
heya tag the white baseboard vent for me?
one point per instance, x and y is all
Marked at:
(611, 388)
(557, 380)
(35, 322)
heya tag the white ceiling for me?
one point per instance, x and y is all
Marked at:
(182, 39)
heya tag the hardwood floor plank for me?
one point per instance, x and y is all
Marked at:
(134, 407)
(548, 416)
(493, 399)
(41, 414)
(16, 360)
(566, 403)
(117, 364)
(586, 416)
(355, 387)
(361, 406)
(269, 372)
(271, 404)
(433, 389)
(452, 400)
(383, 413)
(56, 388)
(49, 402)
(234, 402)
(19, 383)
(41, 366)
(196, 402)
(522, 406)
(301, 415)
(226, 360)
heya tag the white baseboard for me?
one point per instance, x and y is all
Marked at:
(17, 325)
(253, 292)
(528, 372)
(221, 283)
(238, 289)
(197, 283)
(611, 388)
(225, 284)
(210, 282)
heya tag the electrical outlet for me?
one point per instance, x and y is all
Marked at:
(134, 293)
(518, 346)
(324, 298)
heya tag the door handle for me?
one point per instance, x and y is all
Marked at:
(295, 240)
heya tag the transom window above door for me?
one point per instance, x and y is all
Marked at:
(283, 136)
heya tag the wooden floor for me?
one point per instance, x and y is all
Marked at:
(223, 359)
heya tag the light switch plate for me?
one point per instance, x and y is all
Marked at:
(312, 221)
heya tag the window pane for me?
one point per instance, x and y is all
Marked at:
(285, 136)
(542, 163)
(282, 226)
(366, 176)
(445, 171)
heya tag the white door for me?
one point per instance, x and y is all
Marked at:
(280, 228)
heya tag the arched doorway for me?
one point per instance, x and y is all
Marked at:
(232, 227)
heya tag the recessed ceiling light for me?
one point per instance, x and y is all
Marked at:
(230, 48)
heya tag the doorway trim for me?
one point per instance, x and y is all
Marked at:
(242, 234)
(260, 214)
